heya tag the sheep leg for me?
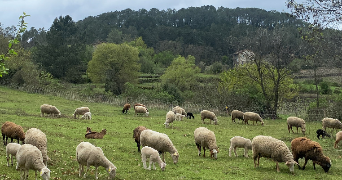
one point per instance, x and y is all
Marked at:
(314, 165)
(143, 159)
(3, 138)
(96, 172)
(199, 149)
(149, 166)
(230, 149)
(235, 152)
(297, 130)
(154, 165)
(306, 161)
(35, 173)
(256, 158)
(163, 156)
(335, 145)
(81, 170)
(203, 151)
(138, 145)
(245, 152)
(277, 166)
(85, 174)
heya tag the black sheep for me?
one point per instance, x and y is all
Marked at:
(320, 132)
(189, 115)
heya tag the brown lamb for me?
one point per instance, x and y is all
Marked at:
(126, 107)
(304, 147)
(136, 135)
(13, 131)
(95, 135)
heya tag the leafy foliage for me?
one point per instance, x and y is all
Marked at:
(114, 65)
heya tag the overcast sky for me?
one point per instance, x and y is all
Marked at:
(43, 12)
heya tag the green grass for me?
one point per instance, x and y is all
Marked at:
(65, 133)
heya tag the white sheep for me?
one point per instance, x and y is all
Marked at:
(269, 147)
(236, 114)
(11, 149)
(37, 138)
(179, 117)
(148, 152)
(80, 111)
(86, 115)
(179, 110)
(206, 139)
(30, 157)
(49, 109)
(89, 155)
(141, 110)
(331, 123)
(252, 116)
(338, 139)
(170, 117)
(160, 142)
(205, 114)
(240, 142)
(296, 122)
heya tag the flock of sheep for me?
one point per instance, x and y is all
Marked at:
(33, 153)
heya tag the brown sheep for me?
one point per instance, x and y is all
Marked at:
(304, 147)
(96, 135)
(13, 131)
(126, 107)
(136, 135)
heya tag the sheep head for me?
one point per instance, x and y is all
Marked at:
(175, 157)
(213, 153)
(290, 164)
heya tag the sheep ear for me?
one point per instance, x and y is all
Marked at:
(109, 169)
(41, 173)
(175, 154)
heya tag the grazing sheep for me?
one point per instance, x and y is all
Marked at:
(30, 157)
(126, 107)
(236, 114)
(141, 110)
(170, 117)
(240, 142)
(252, 116)
(160, 142)
(296, 122)
(95, 135)
(13, 131)
(89, 155)
(11, 149)
(80, 111)
(138, 104)
(148, 152)
(338, 138)
(37, 138)
(189, 115)
(179, 117)
(136, 135)
(269, 147)
(321, 132)
(303, 147)
(206, 139)
(331, 123)
(87, 116)
(205, 114)
(49, 109)
(179, 110)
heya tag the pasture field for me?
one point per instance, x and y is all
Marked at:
(65, 133)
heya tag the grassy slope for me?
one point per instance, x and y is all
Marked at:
(65, 133)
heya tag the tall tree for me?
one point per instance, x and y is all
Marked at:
(114, 65)
(63, 56)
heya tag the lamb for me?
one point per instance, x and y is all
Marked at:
(179, 110)
(136, 135)
(236, 114)
(11, 149)
(126, 107)
(80, 111)
(86, 115)
(321, 132)
(189, 115)
(206, 139)
(205, 114)
(13, 131)
(49, 109)
(269, 147)
(240, 142)
(95, 135)
(252, 116)
(170, 117)
(304, 147)
(89, 155)
(30, 157)
(296, 122)
(37, 138)
(160, 142)
(154, 158)
(338, 138)
(331, 123)
(141, 110)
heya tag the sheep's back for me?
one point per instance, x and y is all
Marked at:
(295, 121)
(27, 155)
(301, 145)
(237, 114)
(207, 114)
(156, 140)
(140, 109)
(252, 116)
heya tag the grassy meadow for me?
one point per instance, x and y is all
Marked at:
(65, 133)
